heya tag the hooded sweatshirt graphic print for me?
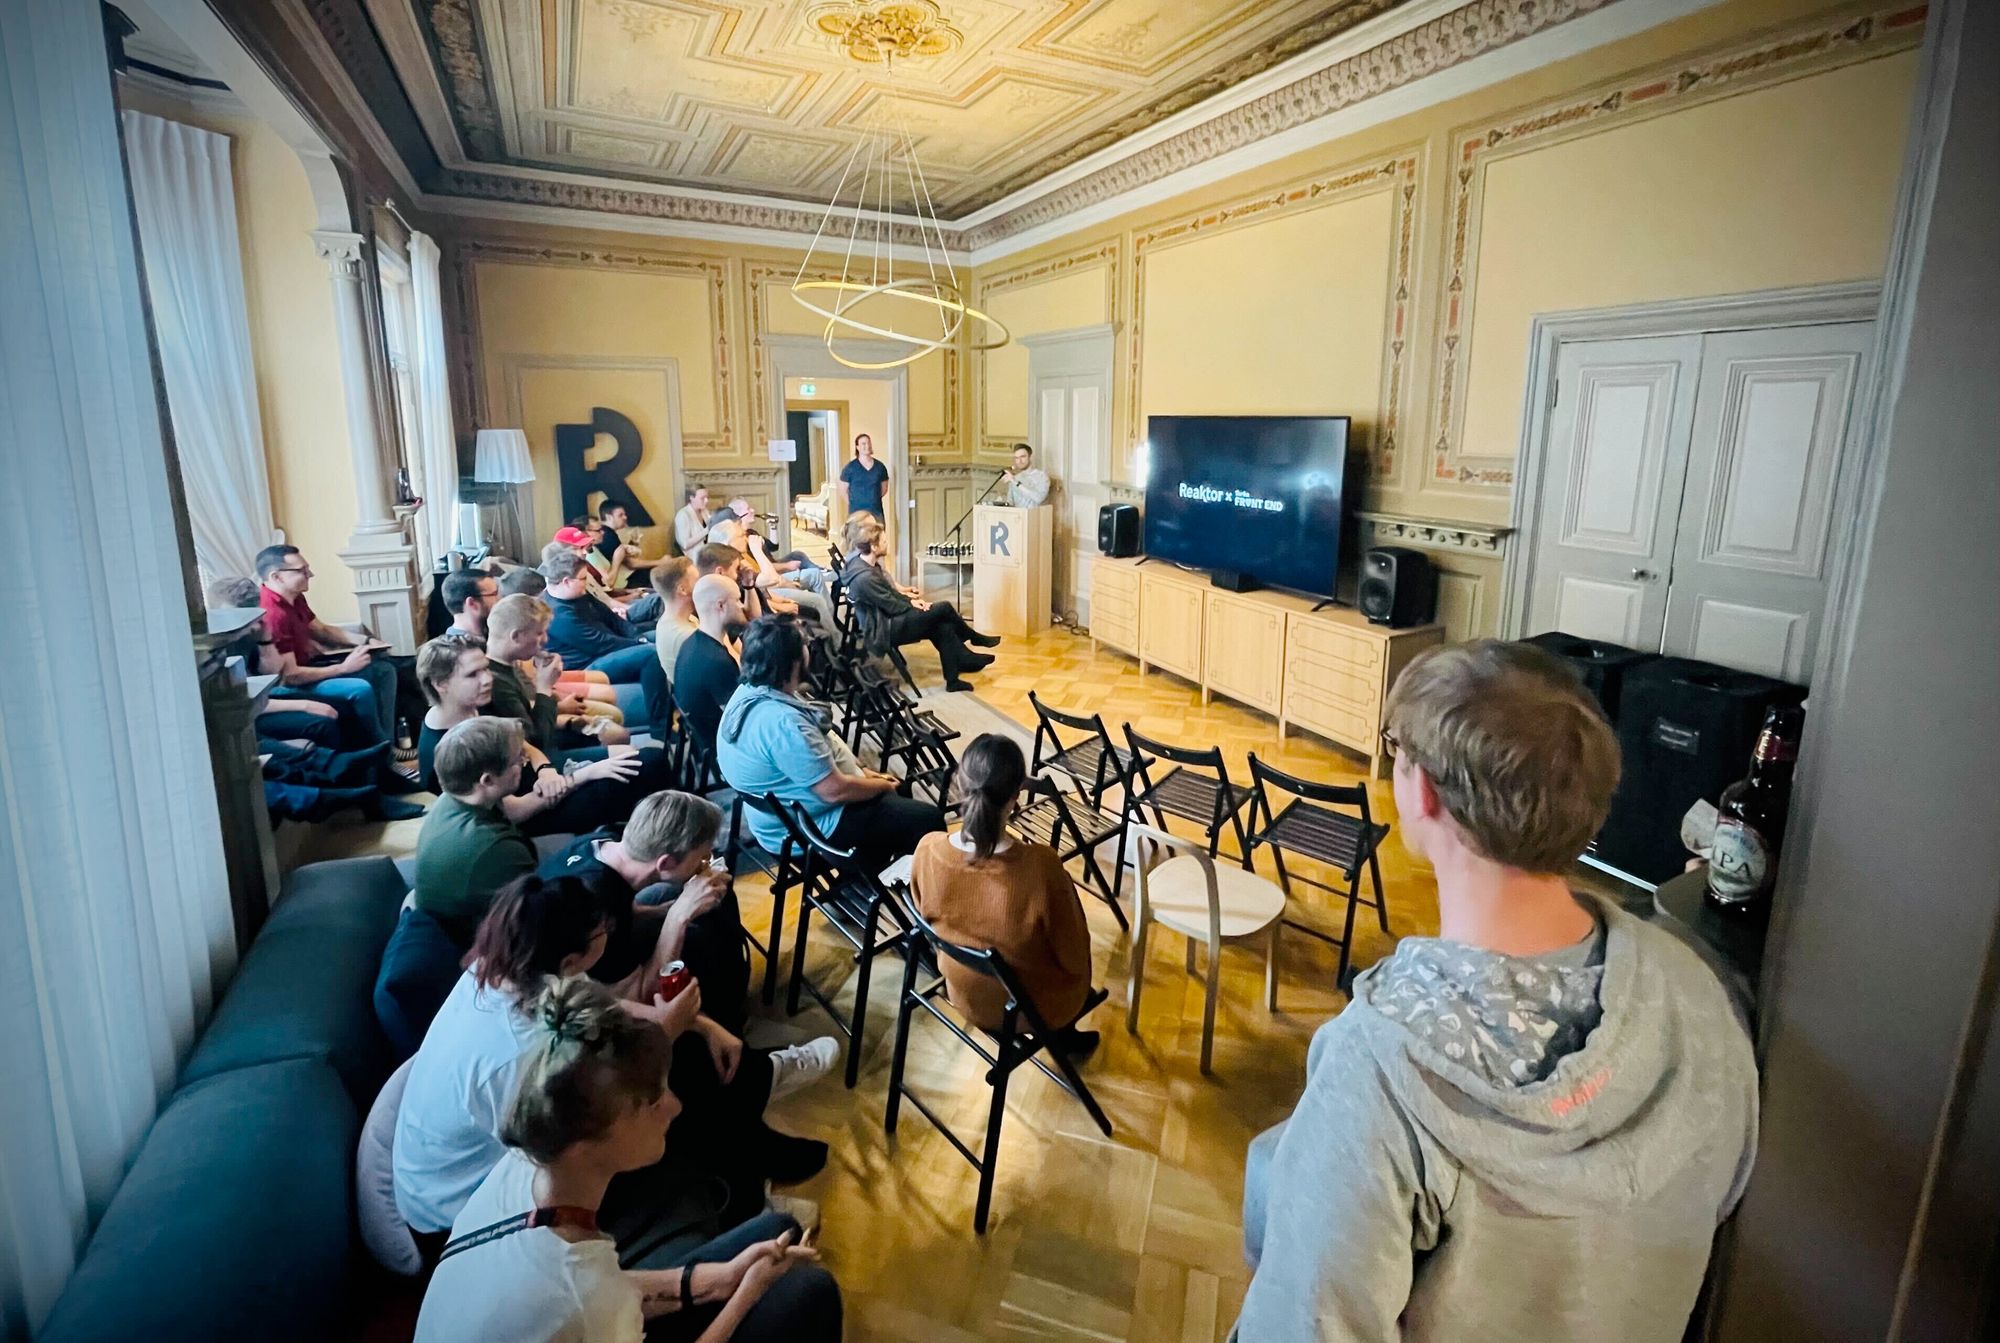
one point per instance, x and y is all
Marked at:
(1550, 1179)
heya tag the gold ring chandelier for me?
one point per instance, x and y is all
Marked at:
(924, 308)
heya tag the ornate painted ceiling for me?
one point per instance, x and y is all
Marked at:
(752, 96)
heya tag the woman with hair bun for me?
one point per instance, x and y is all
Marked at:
(449, 1129)
(527, 1261)
(981, 887)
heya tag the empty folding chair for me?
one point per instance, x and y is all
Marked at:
(1309, 827)
(1093, 760)
(1074, 829)
(1022, 1038)
(1208, 798)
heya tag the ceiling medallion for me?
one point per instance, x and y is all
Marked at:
(875, 33)
(924, 308)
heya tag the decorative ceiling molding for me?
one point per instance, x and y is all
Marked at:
(1418, 44)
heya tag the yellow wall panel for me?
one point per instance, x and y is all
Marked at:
(1281, 317)
(576, 312)
(927, 394)
(1076, 298)
(1787, 185)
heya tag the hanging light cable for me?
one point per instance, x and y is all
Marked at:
(900, 309)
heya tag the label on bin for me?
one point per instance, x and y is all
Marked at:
(1676, 737)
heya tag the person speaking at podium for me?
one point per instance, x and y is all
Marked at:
(1027, 484)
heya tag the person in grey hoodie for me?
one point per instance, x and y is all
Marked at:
(1530, 1126)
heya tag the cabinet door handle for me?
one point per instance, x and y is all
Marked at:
(1643, 575)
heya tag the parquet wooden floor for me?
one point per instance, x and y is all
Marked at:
(1135, 1237)
(1132, 1238)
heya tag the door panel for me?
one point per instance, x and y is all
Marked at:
(1617, 447)
(1750, 563)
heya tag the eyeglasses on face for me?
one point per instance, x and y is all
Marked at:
(1392, 745)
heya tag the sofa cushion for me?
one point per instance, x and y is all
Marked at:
(420, 967)
(234, 1222)
(383, 1229)
(306, 988)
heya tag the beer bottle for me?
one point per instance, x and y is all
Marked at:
(1750, 819)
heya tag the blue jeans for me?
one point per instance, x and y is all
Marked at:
(367, 702)
(625, 665)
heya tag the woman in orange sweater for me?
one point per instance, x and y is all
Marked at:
(981, 887)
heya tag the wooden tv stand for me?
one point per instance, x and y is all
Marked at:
(1329, 671)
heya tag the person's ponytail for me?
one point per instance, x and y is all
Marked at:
(990, 775)
(591, 1063)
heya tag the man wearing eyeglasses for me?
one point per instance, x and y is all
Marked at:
(320, 661)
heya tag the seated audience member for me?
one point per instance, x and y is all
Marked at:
(578, 545)
(673, 579)
(1531, 1125)
(792, 561)
(705, 673)
(567, 718)
(621, 554)
(771, 741)
(784, 590)
(468, 848)
(551, 799)
(588, 636)
(323, 663)
(293, 718)
(525, 581)
(594, 1105)
(691, 523)
(733, 564)
(891, 617)
(648, 863)
(468, 594)
(981, 887)
(448, 1129)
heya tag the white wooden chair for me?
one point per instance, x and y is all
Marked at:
(1206, 904)
(812, 510)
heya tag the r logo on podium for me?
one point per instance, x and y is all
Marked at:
(996, 540)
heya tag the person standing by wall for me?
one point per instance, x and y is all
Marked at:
(864, 482)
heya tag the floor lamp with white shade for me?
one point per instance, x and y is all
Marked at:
(500, 457)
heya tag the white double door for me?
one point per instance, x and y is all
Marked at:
(1687, 493)
(1071, 431)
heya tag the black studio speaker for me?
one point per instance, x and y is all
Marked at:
(1118, 530)
(1399, 587)
(1602, 667)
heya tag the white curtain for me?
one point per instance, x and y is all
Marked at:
(114, 905)
(186, 205)
(436, 452)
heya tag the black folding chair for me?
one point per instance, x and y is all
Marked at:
(1210, 800)
(1022, 1038)
(855, 903)
(1308, 827)
(1095, 762)
(1074, 829)
(785, 869)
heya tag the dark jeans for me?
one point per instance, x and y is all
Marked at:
(624, 666)
(366, 701)
(884, 828)
(646, 610)
(603, 801)
(295, 725)
(801, 1307)
(946, 630)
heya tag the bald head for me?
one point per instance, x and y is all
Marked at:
(718, 603)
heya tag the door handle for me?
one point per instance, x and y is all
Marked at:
(1643, 575)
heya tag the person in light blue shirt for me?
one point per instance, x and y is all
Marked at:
(771, 741)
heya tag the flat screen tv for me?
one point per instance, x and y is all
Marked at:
(1260, 495)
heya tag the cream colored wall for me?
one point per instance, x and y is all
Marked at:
(293, 343)
(1254, 294)
(1641, 213)
(558, 341)
(867, 410)
(1077, 297)
(1280, 318)
(929, 394)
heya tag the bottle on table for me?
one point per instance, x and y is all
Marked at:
(1750, 819)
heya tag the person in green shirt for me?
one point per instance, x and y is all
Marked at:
(468, 849)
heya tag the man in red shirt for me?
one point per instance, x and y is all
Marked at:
(319, 661)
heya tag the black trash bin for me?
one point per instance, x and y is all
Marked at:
(1685, 731)
(1602, 667)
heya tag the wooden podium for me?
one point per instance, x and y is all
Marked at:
(1010, 569)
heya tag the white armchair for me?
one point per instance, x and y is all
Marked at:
(812, 511)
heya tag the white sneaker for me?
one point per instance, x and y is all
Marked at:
(801, 1065)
